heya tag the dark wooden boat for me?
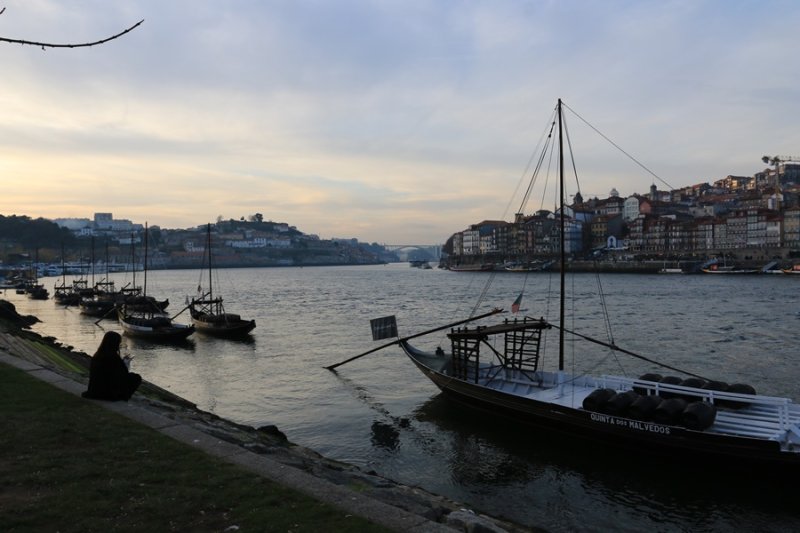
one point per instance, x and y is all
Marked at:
(70, 294)
(152, 326)
(101, 302)
(150, 323)
(36, 291)
(33, 289)
(497, 368)
(208, 312)
(646, 415)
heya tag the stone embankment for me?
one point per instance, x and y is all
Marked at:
(267, 441)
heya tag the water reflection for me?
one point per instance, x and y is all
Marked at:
(139, 344)
(385, 435)
(492, 451)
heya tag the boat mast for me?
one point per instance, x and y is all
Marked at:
(133, 261)
(562, 240)
(92, 257)
(63, 268)
(208, 244)
(144, 288)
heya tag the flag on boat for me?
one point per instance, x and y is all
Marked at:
(516, 304)
(383, 328)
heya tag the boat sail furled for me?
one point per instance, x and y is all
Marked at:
(208, 312)
(498, 368)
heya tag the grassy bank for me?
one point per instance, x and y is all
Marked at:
(67, 464)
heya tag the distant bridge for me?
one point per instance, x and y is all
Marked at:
(416, 251)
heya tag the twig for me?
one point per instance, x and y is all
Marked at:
(77, 45)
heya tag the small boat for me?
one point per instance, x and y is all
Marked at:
(208, 312)
(64, 294)
(729, 270)
(533, 266)
(36, 291)
(33, 289)
(793, 271)
(152, 326)
(479, 267)
(71, 294)
(150, 323)
(716, 268)
(102, 300)
(499, 368)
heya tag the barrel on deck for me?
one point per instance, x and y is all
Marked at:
(650, 376)
(738, 388)
(619, 403)
(670, 380)
(597, 399)
(669, 411)
(644, 407)
(698, 416)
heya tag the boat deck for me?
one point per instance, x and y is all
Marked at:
(760, 417)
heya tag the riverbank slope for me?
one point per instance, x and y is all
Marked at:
(263, 451)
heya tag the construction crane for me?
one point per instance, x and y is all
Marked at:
(778, 159)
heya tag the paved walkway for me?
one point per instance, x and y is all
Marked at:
(352, 502)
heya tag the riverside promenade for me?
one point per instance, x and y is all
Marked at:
(354, 500)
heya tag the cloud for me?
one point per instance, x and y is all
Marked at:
(382, 120)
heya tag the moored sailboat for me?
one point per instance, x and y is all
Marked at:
(150, 322)
(208, 312)
(499, 368)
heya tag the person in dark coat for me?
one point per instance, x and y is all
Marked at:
(109, 378)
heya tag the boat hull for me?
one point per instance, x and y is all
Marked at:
(472, 268)
(221, 328)
(98, 308)
(156, 329)
(619, 433)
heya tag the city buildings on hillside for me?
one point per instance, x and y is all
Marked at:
(253, 242)
(102, 224)
(758, 215)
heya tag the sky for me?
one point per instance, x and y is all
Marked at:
(397, 122)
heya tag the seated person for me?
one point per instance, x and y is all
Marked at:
(109, 378)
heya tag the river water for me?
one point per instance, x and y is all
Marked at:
(380, 413)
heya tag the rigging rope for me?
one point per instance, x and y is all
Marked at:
(628, 352)
(538, 168)
(483, 294)
(615, 145)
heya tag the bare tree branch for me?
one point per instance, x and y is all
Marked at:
(76, 45)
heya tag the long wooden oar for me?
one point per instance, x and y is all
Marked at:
(97, 322)
(399, 340)
(179, 312)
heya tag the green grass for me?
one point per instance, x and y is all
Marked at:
(67, 464)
